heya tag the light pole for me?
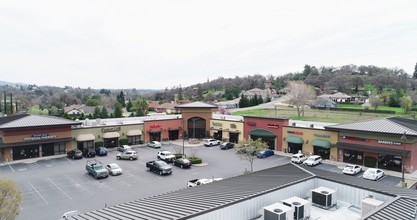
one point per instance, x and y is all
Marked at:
(183, 138)
(403, 140)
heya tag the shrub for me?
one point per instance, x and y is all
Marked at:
(195, 160)
(123, 141)
(98, 144)
(178, 155)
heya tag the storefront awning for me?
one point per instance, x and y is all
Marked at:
(262, 133)
(294, 140)
(235, 132)
(111, 135)
(321, 143)
(85, 137)
(134, 133)
(373, 149)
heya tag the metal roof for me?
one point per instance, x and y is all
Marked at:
(192, 202)
(401, 208)
(196, 105)
(393, 125)
(29, 120)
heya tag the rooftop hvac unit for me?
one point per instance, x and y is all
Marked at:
(278, 211)
(301, 207)
(323, 197)
(370, 204)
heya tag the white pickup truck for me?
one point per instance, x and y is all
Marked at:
(197, 182)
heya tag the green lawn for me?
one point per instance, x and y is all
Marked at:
(315, 115)
(398, 110)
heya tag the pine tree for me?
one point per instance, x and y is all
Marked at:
(415, 72)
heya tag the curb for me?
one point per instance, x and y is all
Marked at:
(200, 165)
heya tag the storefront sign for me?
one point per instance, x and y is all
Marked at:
(155, 126)
(389, 142)
(354, 138)
(110, 129)
(295, 132)
(251, 123)
(272, 125)
(35, 137)
(322, 135)
(218, 124)
(233, 126)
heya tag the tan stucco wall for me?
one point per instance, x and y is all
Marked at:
(225, 127)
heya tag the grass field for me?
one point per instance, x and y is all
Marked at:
(398, 110)
(316, 115)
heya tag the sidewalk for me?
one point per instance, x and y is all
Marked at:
(410, 178)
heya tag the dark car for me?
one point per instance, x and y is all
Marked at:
(182, 162)
(265, 153)
(226, 145)
(88, 152)
(101, 151)
(75, 154)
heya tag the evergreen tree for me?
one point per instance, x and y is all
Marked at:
(97, 112)
(415, 72)
(117, 110)
(180, 95)
(260, 100)
(104, 113)
(129, 106)
(121, 99)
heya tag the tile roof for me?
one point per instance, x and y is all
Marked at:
(29, 120)
(196, 105)
(393, 125)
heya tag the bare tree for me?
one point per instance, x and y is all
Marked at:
(10, 199)
(300, 95)
(406, 103)
(375, 101)
(247, 150)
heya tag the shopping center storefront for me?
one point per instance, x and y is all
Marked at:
(267, 129)
(25, 136)
(163, 130)
(309, 141)
(384, 143)
(226, 130)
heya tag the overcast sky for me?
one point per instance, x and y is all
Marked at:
(159, 44)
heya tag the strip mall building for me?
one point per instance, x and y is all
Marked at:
(373, 143)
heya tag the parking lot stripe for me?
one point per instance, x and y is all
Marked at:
(59, 188)
(77, 184)
(11, 168)
(38, 192)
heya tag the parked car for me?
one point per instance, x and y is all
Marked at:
(265, 153)
(313, 160)
(128, 155)
(373, 174)
(155, 144)
(352, 169)
(226, 145)
(182, 162)
(198, 182)
(75, 154)
(298, 158)
(114, 169)
(166, 156)
(96, 169)
(101, 151)
(123, 148)
(89, 152)
(211, 142)
(159, 166)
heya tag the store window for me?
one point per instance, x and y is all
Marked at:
(85, 145)
(133, 140)
(352, 156)
(390, 162)
(59, 148)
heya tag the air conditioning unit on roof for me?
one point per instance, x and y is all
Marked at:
(278, 211)
(370, 204)
(323, 197)
(301, 207)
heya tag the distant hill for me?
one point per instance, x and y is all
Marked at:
(3, 83)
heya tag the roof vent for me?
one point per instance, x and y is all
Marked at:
(324, 192)
(296, 203)
(293, 124)
(311, 125)
(278, 211)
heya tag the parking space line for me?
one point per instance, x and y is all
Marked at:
(38, 192)
(11, 168)
(69, 160)
(77, 184)
(59, 188)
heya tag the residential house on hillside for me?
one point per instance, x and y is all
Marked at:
(83, 109)
(324, 103)
(338, 97)
(229, 104)
(168, 107)
(264, 93)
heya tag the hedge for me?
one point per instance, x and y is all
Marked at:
(98, 144)
(195, 160)
(123, 142)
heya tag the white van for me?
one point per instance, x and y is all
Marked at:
(313, 160)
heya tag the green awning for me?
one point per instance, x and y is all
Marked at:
(262, 133)
(321, 143)
(294, 140)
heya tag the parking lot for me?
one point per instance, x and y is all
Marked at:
(53, 186)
